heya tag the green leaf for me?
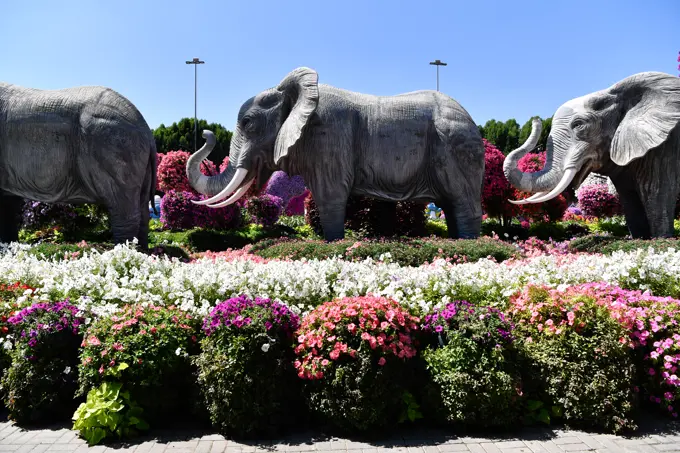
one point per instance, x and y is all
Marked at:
(543, 416)
(532, 405)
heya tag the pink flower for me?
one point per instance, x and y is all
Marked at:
(382, 361)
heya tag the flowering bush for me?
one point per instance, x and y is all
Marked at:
(179, 213)
(496, 190)
(70, 218)
(285, 187)
(177, 210)
(551, 210)
(296, 205)
(354, 355)
(264, 209)
(245, 367)
(172, 172)
(473, 378)
(653, 326)
(578, 357)
(155, 344)
(40, 384)
(10, 296)
(595, 200)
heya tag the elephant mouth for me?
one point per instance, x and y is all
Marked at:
(581, 175)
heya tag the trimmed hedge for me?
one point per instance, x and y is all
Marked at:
(407, 252)
(609, 244)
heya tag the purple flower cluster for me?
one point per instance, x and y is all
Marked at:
(241, 311)
(285, 187)
(265, 209)
(45, 318)
(179, 213)
(38, 215)
(483, 324)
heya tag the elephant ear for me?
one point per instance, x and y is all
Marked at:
(655, 112)
(301, 86)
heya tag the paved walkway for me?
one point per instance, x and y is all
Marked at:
(663, 436)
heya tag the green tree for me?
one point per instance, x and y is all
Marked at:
(512, 136)
(545, 131)
(180, 136)
(496, 133)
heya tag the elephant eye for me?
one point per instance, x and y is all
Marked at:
(248, 124)
(578, 124)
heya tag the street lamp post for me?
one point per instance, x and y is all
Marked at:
(195, 62)
(438, 63)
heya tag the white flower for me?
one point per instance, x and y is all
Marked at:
(265, 347)
(178, 351)
(67, 370)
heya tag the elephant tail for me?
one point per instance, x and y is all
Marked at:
(153, 161)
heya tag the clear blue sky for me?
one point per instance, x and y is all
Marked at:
(506, 59)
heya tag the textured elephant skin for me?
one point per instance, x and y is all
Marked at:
(416, 146)
(629, 132)
(76, 145)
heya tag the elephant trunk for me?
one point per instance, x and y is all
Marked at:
(541, 181)
(207, 185)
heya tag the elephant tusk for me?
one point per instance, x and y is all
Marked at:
(233, 185)
(234, 198)
(559, 188)
(528, 200)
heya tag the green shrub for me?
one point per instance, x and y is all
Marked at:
(41, 382)
(437, 228)
(473, 375)
(577, 357)
(407, 252)
(156, 343)
(200, 240)
(609, 244)
(616, 226)
(108, 411)
(245, 368)
(353, 355)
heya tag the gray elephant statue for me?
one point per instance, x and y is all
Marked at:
(629, 132)
(76, 145)
(419, 146)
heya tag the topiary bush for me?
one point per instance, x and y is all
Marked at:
(172, 173)
(179, 213)
(177, 209)
(496, 189)
(577, 357)
(285, 187)
(264, 209)
(296, 205)
(474, 379)
(41, 381)
(595, 200)
(156, 344)
(354, 357)
(246, 374)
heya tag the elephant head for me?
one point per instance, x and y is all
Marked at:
(615, 125)
(268, 127)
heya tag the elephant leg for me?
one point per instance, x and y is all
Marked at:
(125, 217)
(332, 216)
(10, 207)
(633, 210)
(143, 231)
(660, 210)
(450, 216)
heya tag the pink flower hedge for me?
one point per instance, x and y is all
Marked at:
(348, 327)
(172, 171)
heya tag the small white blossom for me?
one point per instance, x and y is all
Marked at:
(265, 347)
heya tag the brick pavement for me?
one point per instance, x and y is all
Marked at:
(663, 436)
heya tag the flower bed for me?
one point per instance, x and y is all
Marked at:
(582, 338)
